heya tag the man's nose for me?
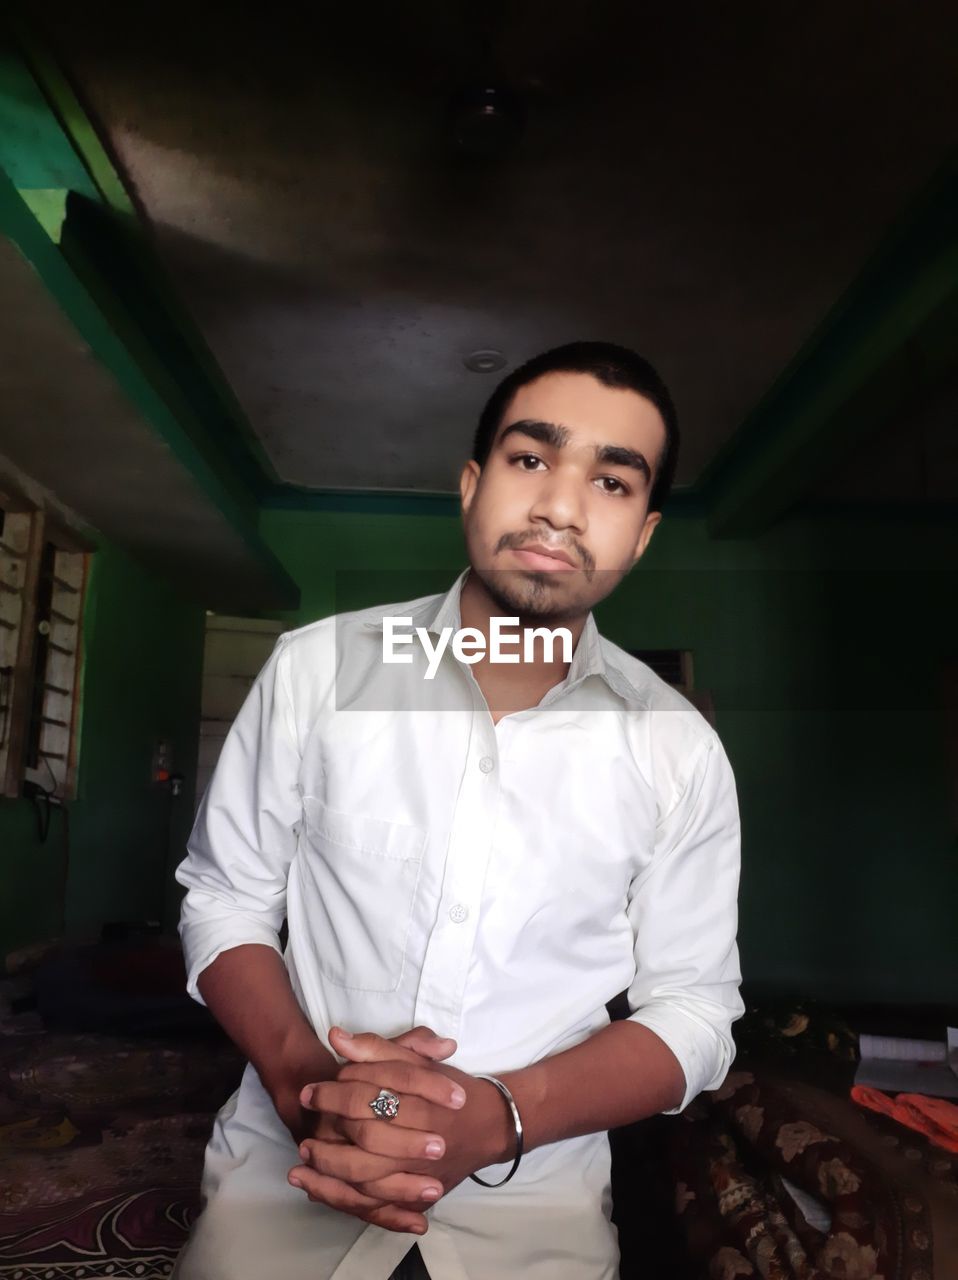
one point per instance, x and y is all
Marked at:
(561, 501)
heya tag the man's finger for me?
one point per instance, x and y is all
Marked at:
(374, 1176)
(368, 1047)
(339, 1195)
(345, 1161)
(332, 1191)
(394, 1141)
(424, 1041)
(403, 1189)
(394, 1218)
(407, 1078)
(339, 1100)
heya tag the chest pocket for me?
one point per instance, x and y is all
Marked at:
(364, 873)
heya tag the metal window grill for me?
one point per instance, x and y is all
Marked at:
(14, 551)
(50, 739)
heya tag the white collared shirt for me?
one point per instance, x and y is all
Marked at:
(497, 882)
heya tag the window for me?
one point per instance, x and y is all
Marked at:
(674, 666)
(42, 579)
(234, 654)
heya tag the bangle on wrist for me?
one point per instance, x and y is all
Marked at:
(517, 1122)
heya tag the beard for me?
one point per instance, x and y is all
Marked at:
(532, 597)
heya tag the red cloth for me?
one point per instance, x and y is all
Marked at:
(935, 1118)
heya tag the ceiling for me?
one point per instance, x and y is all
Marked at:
(701, 182)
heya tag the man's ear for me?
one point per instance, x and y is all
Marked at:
(468, 481)
(645, 537)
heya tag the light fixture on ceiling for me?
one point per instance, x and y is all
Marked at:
(487, 361)
(484, 121)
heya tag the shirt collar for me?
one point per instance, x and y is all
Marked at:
(589, 658)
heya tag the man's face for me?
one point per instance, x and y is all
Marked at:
(571, 468)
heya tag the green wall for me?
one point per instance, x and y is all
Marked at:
(333, 555)
(143, 646)
(822, 645)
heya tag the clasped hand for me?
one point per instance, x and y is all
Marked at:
(389, 1172)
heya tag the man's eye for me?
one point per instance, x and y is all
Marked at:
(526, 457)
(619, 486)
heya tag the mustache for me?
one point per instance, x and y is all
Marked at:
(514, 541)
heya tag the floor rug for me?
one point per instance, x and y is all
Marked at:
(101, 1148)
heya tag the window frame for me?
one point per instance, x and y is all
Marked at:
(20, 694)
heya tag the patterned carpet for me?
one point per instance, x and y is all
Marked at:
(101, 1145)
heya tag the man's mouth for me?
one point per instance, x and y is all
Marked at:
(538, 556)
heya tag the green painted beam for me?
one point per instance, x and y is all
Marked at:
(33, 149)
(69, 128)
(289, 497)
(49, 207)
(237, 504)
(68, 116)
(857, 370)
(380, 502)
(110, 269)
(94, 326)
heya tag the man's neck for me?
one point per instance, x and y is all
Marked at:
(512, 686)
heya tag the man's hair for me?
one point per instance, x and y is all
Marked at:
(613, 366)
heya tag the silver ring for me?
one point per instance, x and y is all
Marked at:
(386, 1104)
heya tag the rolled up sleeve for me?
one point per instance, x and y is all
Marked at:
(244, 837)
(684, 913)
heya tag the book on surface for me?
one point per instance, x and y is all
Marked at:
(899, 1065)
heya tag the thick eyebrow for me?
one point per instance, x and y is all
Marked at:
(617, 455)
(614, 455)
(544, 432)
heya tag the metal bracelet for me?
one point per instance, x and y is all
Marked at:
(518, 1126)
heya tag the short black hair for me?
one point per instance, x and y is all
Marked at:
(608, 363)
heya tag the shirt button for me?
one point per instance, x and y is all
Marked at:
(487, 764)
(458, 913)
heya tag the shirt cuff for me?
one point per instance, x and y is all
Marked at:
(703, 1055)
(204, 940)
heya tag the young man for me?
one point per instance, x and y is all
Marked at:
(487, 854)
